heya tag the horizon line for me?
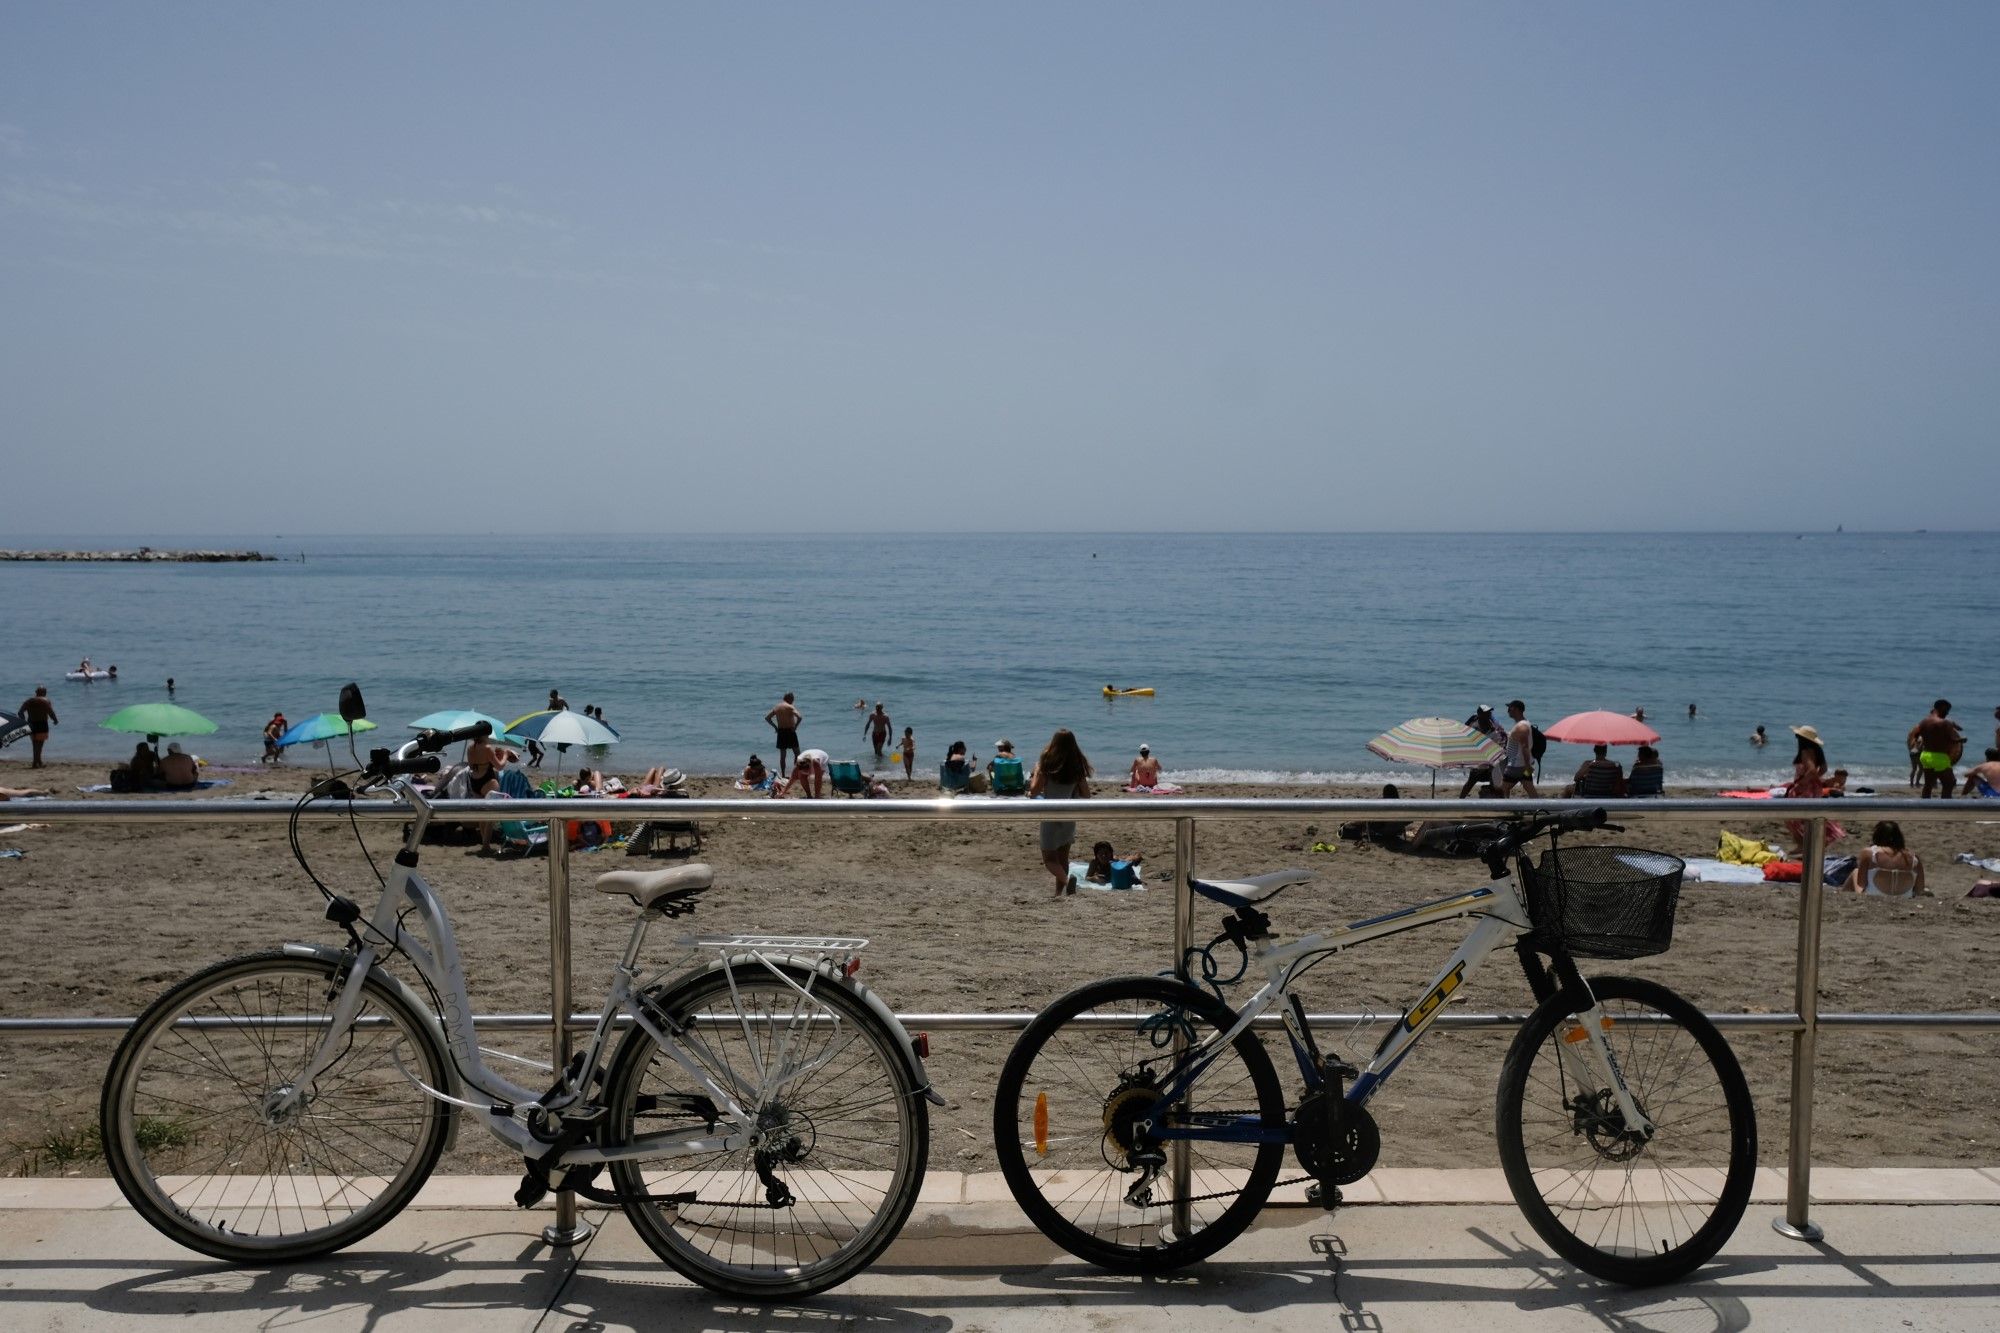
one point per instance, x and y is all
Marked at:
(796, 533)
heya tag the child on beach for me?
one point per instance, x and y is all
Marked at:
(1106, 868)
(909, 748)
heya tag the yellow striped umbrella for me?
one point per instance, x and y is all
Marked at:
(1435, 742)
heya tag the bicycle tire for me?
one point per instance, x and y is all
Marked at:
(190, 1139)
(1661, 1208)
(856, 1137)
(1091, 1217)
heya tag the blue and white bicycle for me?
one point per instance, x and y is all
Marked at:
(1141, 1125)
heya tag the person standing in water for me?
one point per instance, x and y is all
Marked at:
(878, 728)
(784, 718)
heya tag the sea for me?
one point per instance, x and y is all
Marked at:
(1275, 658)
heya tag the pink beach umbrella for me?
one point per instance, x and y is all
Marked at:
(1599, 727)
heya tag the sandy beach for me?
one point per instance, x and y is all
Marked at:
(103, 918)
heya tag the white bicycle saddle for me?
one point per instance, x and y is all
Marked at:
(1242, 892)
(646, 887)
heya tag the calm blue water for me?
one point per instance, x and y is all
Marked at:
(1275, 657)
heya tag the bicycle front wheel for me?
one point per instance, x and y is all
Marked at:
(1077, 1112)
(843, 1132)
(219, 1140)
(1622, 1207)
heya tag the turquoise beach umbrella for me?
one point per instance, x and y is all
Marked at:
(451, 719)
(323, 727)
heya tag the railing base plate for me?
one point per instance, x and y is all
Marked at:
(1809, 1231)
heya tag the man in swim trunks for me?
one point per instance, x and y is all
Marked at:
(785, 719)
(878, 728)
(1983, 780)
(1938, 742)
(41, 715)
(1518, 767)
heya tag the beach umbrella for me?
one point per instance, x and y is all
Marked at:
(561, 728)
(1599, 727)
(12, 727)
(322, 727)
(156, 720)
(1435, 742)
(451, 719)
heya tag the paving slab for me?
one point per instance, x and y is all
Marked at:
(981, 1268)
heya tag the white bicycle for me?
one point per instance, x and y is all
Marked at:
(763, 1117)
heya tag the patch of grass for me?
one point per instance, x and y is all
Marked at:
(68, 1145)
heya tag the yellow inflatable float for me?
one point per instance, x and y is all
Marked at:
(1113, 692)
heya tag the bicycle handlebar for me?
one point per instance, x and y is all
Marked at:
(430, 742)
(382, 765)
(1530, 827)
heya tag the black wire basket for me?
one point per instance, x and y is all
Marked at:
(1605, 902)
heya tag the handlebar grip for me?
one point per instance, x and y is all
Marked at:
(381, 765)
(430, 742)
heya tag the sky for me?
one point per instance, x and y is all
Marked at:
(379, 267)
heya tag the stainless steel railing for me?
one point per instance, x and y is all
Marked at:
(1804, 1023)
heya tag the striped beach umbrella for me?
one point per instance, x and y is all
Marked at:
(1435, 742)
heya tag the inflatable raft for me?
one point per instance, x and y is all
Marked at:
(1144, 692)
(86, 675)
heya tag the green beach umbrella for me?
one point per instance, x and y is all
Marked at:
(156, 720)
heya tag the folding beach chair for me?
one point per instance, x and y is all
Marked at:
(845, 775)
(1008, 779)
(953, 780)
(681, 837)
(1647, 781)
(523, 838)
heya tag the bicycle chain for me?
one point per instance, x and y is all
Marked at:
(1224, 1194)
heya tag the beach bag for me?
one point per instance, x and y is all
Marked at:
(121, 780)
(1784, 872)
(1124, 875)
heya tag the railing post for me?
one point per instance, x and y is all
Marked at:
(1179, 1152)
(568, 1229)
(1797, 1222)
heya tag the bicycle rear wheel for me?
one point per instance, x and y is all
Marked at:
(207, 1134)
(845, 1131)
(1068, 1118)
(1628, 1210)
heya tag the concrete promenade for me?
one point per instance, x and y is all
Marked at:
(1449, 1254)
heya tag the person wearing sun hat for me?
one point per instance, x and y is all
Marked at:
(1808, 782)
(1145, 769)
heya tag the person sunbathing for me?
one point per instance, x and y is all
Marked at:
(177, 769)
(1886, 868)
(20, 793)
(660, 781)
(754, 773)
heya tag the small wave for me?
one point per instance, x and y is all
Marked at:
(1416, 782)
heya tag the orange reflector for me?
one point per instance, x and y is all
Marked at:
(1573, 1032)
(1042, 1124)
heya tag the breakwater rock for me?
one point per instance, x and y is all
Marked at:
(141, 555)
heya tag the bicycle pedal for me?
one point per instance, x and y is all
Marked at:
(1318, 1194)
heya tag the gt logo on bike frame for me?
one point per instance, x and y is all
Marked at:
(1429, 1005)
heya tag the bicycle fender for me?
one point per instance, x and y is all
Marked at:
(803, 968)
(327, 953)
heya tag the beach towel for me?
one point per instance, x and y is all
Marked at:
(1080, 868)
(1743, 851)
(1784, 872)
(11, 853)
(1983, 863)
(16, 828)
(741, 785)
(99, 787)
(1708, 870)
(1761, 794)
(1161, 789)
